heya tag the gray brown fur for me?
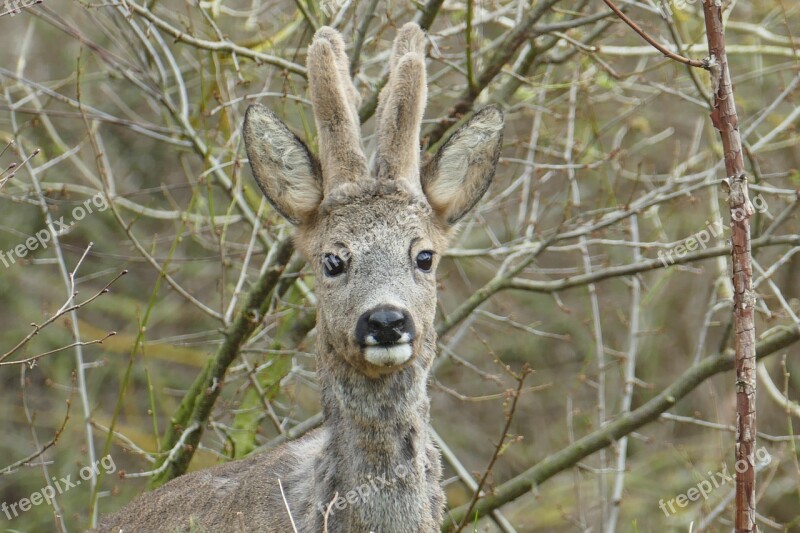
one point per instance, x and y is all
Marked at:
(375, 417)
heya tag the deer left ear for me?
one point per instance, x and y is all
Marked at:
(460, 173)
(283, 166)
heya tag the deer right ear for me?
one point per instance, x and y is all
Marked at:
(284, 168)
(461, 171)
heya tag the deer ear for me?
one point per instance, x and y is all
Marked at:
(284, 168)
(460, 173)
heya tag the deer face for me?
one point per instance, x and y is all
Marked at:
(375, 258)
(374, 237)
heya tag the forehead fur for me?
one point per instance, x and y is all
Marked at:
(359, 211)
(366, 191)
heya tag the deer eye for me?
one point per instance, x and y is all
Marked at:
(425, 260)
(333, 265)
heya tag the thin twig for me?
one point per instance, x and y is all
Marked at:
(49, 444)
(37, 328)
(655, 44)
(286, 504)
(34, 358)
(218, 46)
(499, 448)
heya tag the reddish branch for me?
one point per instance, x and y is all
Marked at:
(726, 121)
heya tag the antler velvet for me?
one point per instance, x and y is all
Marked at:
(399, 115)
(400, 108)
(334, 99)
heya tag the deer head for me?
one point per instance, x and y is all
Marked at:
(373, 237)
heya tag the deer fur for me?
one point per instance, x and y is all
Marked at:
(372, 465)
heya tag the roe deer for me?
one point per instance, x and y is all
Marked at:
(373, 240)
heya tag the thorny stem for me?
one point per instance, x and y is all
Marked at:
(515, 395)
(726, 121)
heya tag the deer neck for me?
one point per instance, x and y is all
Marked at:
(377, 428)
(379, 422)
(377, 461)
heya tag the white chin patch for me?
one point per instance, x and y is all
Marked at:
(393, 355)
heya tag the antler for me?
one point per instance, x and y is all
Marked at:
(399, 114)
(401, 106)
(335, 103)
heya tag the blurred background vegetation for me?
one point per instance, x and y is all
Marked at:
(609, 158)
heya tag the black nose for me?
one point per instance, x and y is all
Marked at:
(384, 325)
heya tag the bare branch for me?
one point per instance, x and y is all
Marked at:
(218, 46)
